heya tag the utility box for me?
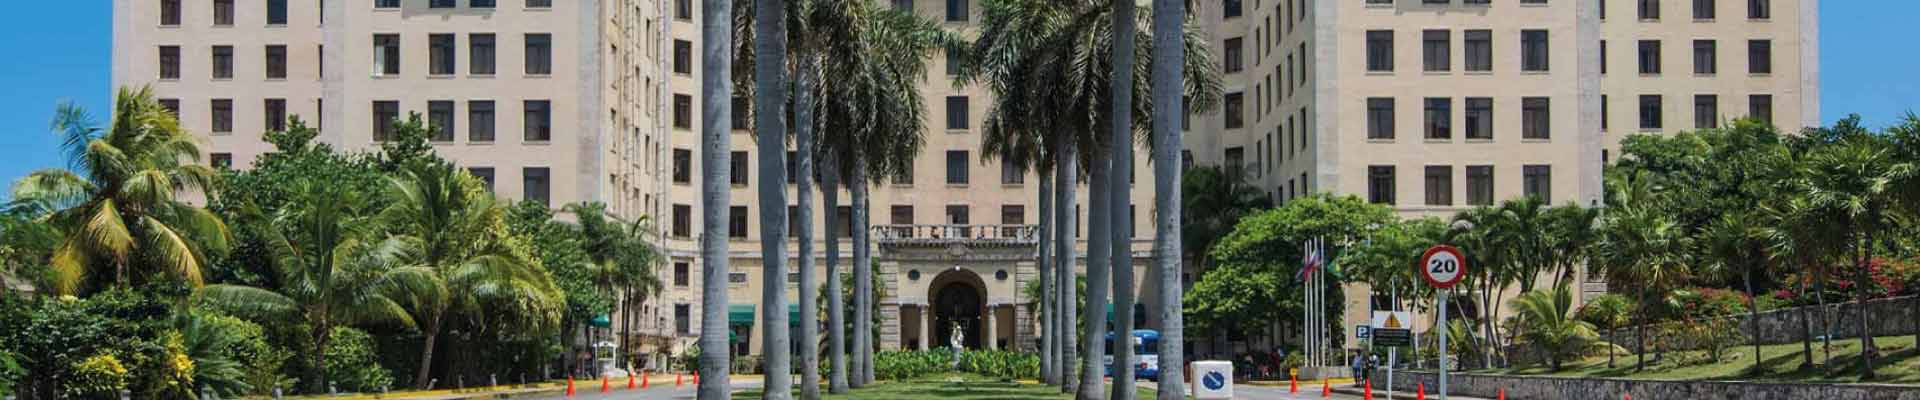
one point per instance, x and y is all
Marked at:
(1212, 380)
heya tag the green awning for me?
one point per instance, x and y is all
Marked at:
(602, 321)
(793, 314)
(740, 314)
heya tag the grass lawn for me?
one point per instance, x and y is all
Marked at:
(971, 387)
(1899, 363)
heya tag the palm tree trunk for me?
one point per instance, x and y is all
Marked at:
(626, 326)
(317, 374)
(1753, 318)
(423, 376)
(1064, 185)
(862, 278)
(1610, 334)
(1119, 203)
(716, 119)
(1050, 327)
(803, 217)
(770, 131)
(1099, 260)
(836, 304)
(1640, 345)
(1861, 280)
(1169, 45)
(1826, 318)
(1806, 332)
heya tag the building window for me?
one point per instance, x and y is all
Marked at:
(386, 54)
(538, 125)
(539, 3)
(170, 12)
(440, 120)
(442, 4)
(1760, 56)
(1235, 110)
(1650, 57)
(223, 12)
(222, 115)
(737, 222)
(169, 62)
(737, 166)
(1603, 57)
(276, 12)
(904, 176)
(386, 3)
(480, 54)
(1704, 9)
(484, 174)
(172, 106)
(440, 54)
(682, 319)
(682, 220)
(1536, 118)
(220, 160)
(957, 114)
(1380, 118)
(956, 10)
(957, 167)
(1649, 10)
(1380, 184)
(680, 274)
(1231, 56)
(539, 54)
(1479, 185)
(1533, 51)
(276, 115)
(956, 61)
(900, 215)
(1480, 118)
(1760, 107)
(1538, 182)
(1013, 214)
(1380, 51)
(1479, 50)
(482, 4)
(385, 114)
(534, 181)
(1759, 9)
(740, 116)
(1603, 113)
(1650, 112)
(682, 166)
(480, 121)
(276, 62)
(1439, 185)
(1437, 50)
(1706, 111)
(1706, 60)
(682, 111)
(682, 57)
(1012, 174)
(1235, 161)
(683, 9)
(1439, 118)
(222, 62)
(1230, 8)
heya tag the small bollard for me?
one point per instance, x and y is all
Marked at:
(126, 395)
(277, 394)
(493, 380)
(460, 382)
(334, 389)
(206, 394)
(433, 382)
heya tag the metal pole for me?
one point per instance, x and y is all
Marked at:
(1393, 354)
(1443, 342)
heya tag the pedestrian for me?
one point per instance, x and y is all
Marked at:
(1373, 364)
(1358, 365)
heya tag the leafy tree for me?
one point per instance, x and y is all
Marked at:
(252, 197)
(1213, 201)
(1548, 326)
(117, 202)
(1640, 243)
(1609, 312)
(561, 248)
(1856, 177)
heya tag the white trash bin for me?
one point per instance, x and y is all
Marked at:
(1212, 380)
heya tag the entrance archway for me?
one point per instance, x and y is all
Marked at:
(958, 298)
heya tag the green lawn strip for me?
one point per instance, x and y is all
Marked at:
(1899, 363)
(971, 387)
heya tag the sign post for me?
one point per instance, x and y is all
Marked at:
(1390, 328)
(1442, 266)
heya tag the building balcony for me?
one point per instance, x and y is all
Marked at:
(956, 234)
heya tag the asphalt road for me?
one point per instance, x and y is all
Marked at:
(656, 392)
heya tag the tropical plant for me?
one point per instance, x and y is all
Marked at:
(118, 204)
(352, 364)
(716, 41)
(1213, 202)
(1548, 326)
(213, 343)
(1609, 312)
(1640, 244)
(1856, 178)
(456, 257)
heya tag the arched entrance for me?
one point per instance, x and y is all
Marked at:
(958, 297)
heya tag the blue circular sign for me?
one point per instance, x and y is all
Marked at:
(1214, 380)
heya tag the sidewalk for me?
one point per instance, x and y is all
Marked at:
(1381, 393)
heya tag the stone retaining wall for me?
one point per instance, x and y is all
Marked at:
(1885, 317)
(1564, 388)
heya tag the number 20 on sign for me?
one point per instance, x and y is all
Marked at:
(1443, 266)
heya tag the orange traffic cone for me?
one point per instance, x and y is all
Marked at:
(1629, 396)
(569, 385)
(1293, 384)
(1420, 391)
(1368, 393)
(605, 385)
(1501, 395)
(630, 382)
(696, 378)
(679, 379)
(644, 376)
(1326, 387)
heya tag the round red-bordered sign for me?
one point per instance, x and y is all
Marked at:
(1442, 266)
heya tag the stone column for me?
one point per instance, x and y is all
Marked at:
(993, 333)
(926, 327)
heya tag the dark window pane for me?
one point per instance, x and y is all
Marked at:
(1380, 184)
(480, 121)
(1439, 118)
(481, 54)
(539, 54)
(535, 181)
(538, 124)
(440, 120)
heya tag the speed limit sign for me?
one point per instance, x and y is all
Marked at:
(1443, 266)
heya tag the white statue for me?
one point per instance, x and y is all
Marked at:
(958, 337)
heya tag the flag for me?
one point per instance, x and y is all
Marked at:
(1310, 259)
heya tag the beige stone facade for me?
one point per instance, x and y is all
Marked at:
(1516, 88)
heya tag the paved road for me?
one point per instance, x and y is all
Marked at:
(657, 392)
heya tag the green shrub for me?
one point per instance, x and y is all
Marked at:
(897, 365)
(101, 376)
(351, 362)
(1001, 364)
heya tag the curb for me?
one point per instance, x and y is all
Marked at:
(1377, 392)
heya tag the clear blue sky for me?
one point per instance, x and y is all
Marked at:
(59, 51)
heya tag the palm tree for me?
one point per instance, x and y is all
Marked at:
(1855, 178)
(457, 260)
(1214, 200)
(716, 91)
(1119, 210)
(770, 134)
(1736, 242)
(1641, 244)
(1169, 106)
(620, 256)
(331, 268)
(1610, 312)
(1549, 326)
(1796, 235)
(116, 202)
